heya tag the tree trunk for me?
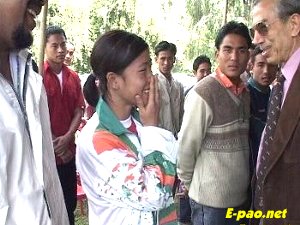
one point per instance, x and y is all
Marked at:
(43, 38)
(225, 12)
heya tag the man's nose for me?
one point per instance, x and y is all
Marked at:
(61, 49)
(265, 70)
(258, 38)
(234, 55)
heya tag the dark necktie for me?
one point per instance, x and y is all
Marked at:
(272, 118)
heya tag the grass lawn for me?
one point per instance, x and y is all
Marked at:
(81, 219)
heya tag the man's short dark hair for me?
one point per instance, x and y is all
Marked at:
(165, 46)
(54, 30)
(257, 50)
(199, 60)
(233, 27)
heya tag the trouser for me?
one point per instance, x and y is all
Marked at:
(184, 214)
(205, 215)
(67, 176)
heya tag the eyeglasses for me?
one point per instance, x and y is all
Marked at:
(262, 28)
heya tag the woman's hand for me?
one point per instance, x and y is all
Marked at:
(149, 104)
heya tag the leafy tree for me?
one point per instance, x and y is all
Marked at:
(108, 15)
(82, 65)
(206, 19)
(201, 20)
(197, 9)
(111, 14)
(55, 16)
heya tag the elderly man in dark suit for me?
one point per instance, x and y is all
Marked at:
(276, 30)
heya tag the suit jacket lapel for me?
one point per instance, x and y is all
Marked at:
(287, 122)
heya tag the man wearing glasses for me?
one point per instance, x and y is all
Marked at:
(277, 182)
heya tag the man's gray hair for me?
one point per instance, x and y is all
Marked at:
(284, 8)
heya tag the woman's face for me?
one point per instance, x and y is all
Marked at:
(135, 79)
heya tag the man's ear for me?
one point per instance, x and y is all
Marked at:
(216, 54)
(294, 22)
(113, 80)
(251, 65)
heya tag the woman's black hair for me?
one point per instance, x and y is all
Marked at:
(113, 52)
(91, 91)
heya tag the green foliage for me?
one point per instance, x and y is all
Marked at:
(203, 35)
(53, 11)
(83, 65)
(201, 19)
(79, 218)
(197, 9)
(55, 15)
(110, 14)
(206, 20)
(152, 38)
(104, 16)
